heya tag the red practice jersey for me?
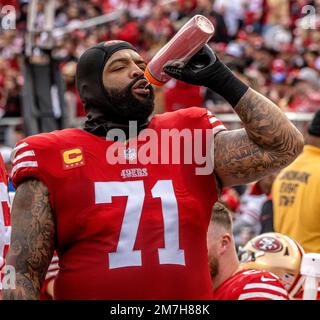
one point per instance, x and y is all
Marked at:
(129, 230)
(251, 285)
(5, 228)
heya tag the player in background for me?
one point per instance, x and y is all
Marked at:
(142, 225)
(5, 228)
(279, 254)
(230, 281)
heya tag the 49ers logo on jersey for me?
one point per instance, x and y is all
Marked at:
(73, 158)
(268, 244)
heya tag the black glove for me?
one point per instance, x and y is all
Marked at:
(205, 69)
(198, 70)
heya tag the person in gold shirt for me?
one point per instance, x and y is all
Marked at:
(296, 194)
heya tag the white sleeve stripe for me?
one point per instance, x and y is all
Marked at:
(216, 124)
(209, 113)
(218, 129)
(256, 295)
(53, 270)
(25, 154)
(54, 259)
(16, 149)
(25, 164)
(20, 146)
(53, 266)
(265, 286)
(213, 119)
(51, 275)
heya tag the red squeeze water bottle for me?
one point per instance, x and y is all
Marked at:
(179, 50)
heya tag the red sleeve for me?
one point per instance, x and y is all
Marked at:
(200, 118)
(214, 123)
(53, 267)
(262, 285)
(36, 157)
(24, 163)
(51, 274)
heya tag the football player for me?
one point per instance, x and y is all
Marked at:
(124, 227)
(231, 281)
(279, 254)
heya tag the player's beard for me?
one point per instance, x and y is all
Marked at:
(214, 266)
(123, 106)
(117, 108)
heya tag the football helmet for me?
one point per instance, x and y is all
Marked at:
(276, 253)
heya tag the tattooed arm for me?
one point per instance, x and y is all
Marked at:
(268, 142)
(32, 240)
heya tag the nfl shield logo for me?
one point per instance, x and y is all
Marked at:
(130, 154)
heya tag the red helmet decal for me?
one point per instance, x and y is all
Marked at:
(268, 244)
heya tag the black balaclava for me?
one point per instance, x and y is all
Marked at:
(104, 110)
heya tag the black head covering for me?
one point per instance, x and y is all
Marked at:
(314, 128)
(89, 72)
(93, 94)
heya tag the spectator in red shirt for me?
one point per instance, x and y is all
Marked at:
(127, 29)
(180, 95)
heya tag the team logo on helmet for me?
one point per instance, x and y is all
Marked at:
(268, 244)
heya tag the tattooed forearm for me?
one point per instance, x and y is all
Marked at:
(238, 160)
(267, 125)
(32, 240)
(268, 142)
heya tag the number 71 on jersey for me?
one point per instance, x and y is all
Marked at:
(125, 256)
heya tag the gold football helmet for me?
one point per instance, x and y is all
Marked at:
(276, 253)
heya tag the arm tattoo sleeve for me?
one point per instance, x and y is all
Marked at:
(268, 142)
(32, 239)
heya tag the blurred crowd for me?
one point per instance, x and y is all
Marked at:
(273, 45)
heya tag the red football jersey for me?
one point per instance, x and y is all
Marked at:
(129, 230)
(5, 227)
(251, 285)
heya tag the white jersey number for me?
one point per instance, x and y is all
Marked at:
(125, 255)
